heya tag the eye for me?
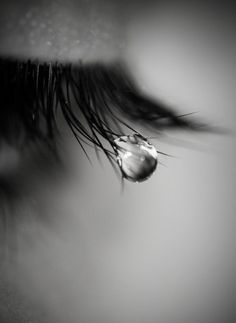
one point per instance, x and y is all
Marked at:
(98, 101)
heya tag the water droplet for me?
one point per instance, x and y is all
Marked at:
(136, 157)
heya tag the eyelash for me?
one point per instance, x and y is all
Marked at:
(104, 94)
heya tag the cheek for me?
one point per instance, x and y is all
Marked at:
(159, 251)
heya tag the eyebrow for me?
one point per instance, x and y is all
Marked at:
(97, 100)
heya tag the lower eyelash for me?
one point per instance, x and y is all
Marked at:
(93, 99)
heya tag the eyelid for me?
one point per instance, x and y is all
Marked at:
(95, 99)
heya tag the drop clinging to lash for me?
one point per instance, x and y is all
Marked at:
(136, 157)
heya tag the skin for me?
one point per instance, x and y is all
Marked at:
(164, 249)
(63, 30)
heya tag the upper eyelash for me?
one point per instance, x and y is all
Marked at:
(32, 92)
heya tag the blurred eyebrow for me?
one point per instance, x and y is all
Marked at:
(97, 100)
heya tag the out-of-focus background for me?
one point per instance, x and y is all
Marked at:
(161, 251)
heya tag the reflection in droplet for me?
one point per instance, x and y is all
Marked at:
(136, 157)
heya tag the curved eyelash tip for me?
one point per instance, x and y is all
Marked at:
(168, 155)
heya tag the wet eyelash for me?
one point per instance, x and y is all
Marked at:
(94, 99)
